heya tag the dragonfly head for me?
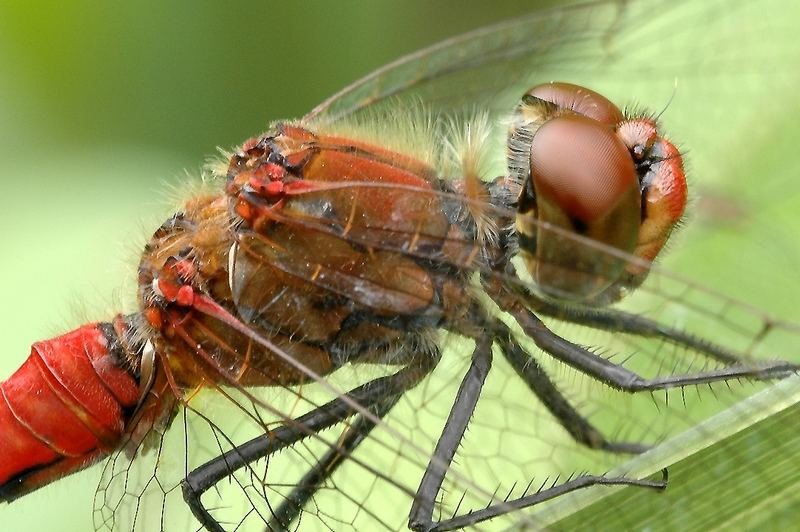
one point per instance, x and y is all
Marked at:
(599, 193)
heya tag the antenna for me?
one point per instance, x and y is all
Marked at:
(669, 101)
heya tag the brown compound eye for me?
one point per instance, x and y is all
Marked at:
(581, 168)
(580, 100)
(585, 183)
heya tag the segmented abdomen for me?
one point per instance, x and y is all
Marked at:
(63, 409)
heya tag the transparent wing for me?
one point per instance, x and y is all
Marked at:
(514, 446)
(720, 71)
(733, 111)
(475, 68)
(624, 47)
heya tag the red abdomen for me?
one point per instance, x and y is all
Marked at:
(63, 409)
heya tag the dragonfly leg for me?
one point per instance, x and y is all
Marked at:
(421, 515)
(627, 323)
(621, 378)
(540, 384)
(289, 510)
(542, 495)
(366, 397)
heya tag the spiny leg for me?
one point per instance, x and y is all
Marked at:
(289, 510)
(615, 375)
(368, 395)
(613, 320)
(421, 515)
(540, 384)
(545, 494)
(621, 378)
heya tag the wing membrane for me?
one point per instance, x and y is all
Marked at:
(726, 89)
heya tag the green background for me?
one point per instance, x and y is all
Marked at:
(105, 106)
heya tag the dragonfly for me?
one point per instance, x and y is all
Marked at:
(472, 78)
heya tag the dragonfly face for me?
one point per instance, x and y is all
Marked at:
(433, 389)
(582, 166)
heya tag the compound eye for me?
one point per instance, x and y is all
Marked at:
(582, 167)
(584, 182)
(579, 99)
(577, 164)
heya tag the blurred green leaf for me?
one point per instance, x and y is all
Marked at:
(752, 447)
